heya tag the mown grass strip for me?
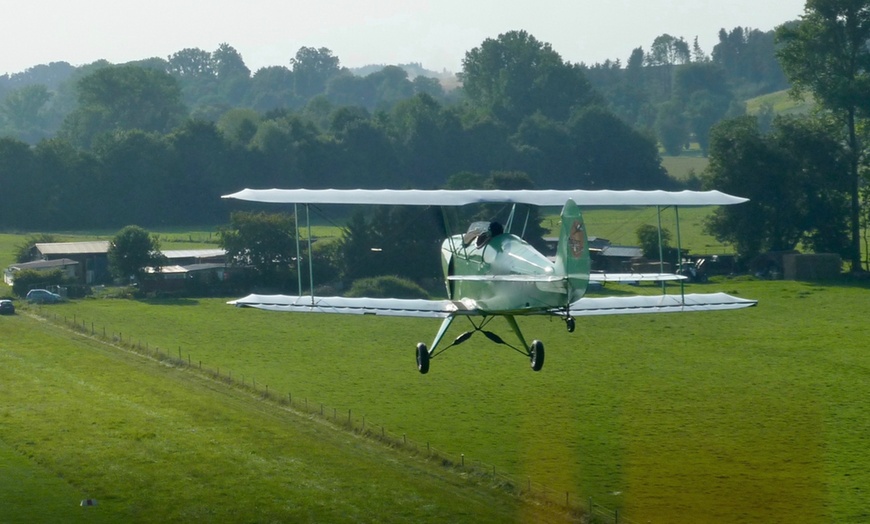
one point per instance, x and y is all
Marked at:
(155, 443)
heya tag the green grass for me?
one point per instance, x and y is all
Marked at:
(155, 443)
(680, 167)
(782, 103)
(753, 415)
(620, 227)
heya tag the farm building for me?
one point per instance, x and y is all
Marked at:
(93, 262)
(68, 266)
(88, 262)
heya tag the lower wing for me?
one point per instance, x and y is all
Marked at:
(658, 304)
(635, 277)
(357, 306)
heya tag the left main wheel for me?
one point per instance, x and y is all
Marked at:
(422, 358)
(570, 324)
(536, 354)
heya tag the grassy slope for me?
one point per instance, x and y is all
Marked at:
(154, 443)
(750, 415)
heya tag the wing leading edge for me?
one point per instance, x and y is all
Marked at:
(444, 308)
(443, 197)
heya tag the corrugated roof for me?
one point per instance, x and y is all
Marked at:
(621, 251)
(172, 254)
(45, 264)
(74, 248)
(166, 270)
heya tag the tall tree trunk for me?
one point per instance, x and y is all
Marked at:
(855, 248)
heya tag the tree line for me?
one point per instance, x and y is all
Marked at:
(132, 148)
(131, 152)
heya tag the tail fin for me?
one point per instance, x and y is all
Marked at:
(572, 253)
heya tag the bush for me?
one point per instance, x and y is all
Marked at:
(386, 287)
(28, 279)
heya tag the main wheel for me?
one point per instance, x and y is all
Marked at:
(570, 324)
(422, 358)
(536, 352)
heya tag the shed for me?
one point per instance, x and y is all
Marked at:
(92, 257)
(67, 265)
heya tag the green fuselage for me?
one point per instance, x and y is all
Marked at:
(503, 274)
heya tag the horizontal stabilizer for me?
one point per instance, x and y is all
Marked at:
(658, 304)
(635, 277)
(355, 306)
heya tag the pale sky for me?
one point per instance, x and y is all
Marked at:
(436, 33)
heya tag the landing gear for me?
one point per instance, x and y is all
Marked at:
(570, 324)
(422, 358)
(534, 352)
(536, 355)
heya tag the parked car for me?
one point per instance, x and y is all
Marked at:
(7, 307)
(43, 296)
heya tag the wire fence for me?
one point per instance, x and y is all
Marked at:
(584, 509)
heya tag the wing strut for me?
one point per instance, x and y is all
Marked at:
(310, 255)
(298, 254)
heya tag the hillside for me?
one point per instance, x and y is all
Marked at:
(781, 103)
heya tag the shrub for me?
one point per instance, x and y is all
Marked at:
(386, 287)
(28, 279)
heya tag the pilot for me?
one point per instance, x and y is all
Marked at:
(493, 230)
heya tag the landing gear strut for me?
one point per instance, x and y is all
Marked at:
(535, 351)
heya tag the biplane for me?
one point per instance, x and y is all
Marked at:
(490, 272)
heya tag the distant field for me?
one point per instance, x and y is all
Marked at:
(782, 103)
(754, 415)
(620, 227)
(680, 167)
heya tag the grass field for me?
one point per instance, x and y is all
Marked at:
(154, 443)
(620, 227)
(756, 415)
(782, 104)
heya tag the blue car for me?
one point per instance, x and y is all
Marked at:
(42, 296)
(7, 307)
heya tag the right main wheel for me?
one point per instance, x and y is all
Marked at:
(422, 358)
(536, 354)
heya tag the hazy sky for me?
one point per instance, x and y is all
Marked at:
(436, 33)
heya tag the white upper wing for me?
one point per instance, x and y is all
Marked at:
(550, 197)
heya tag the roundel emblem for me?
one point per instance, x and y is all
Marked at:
(576, 239)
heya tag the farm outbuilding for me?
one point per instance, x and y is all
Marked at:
(92, 258)
(68, 266)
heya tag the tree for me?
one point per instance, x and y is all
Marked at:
(792, 177)
(515, 75)
(265, 242)
(665, 52)
(24, 250)
(826, 53)
(312, 69)
(396, 240)
(132, 250)
(124, 98)
(23, 110)
(655, 243)
(610, 154)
